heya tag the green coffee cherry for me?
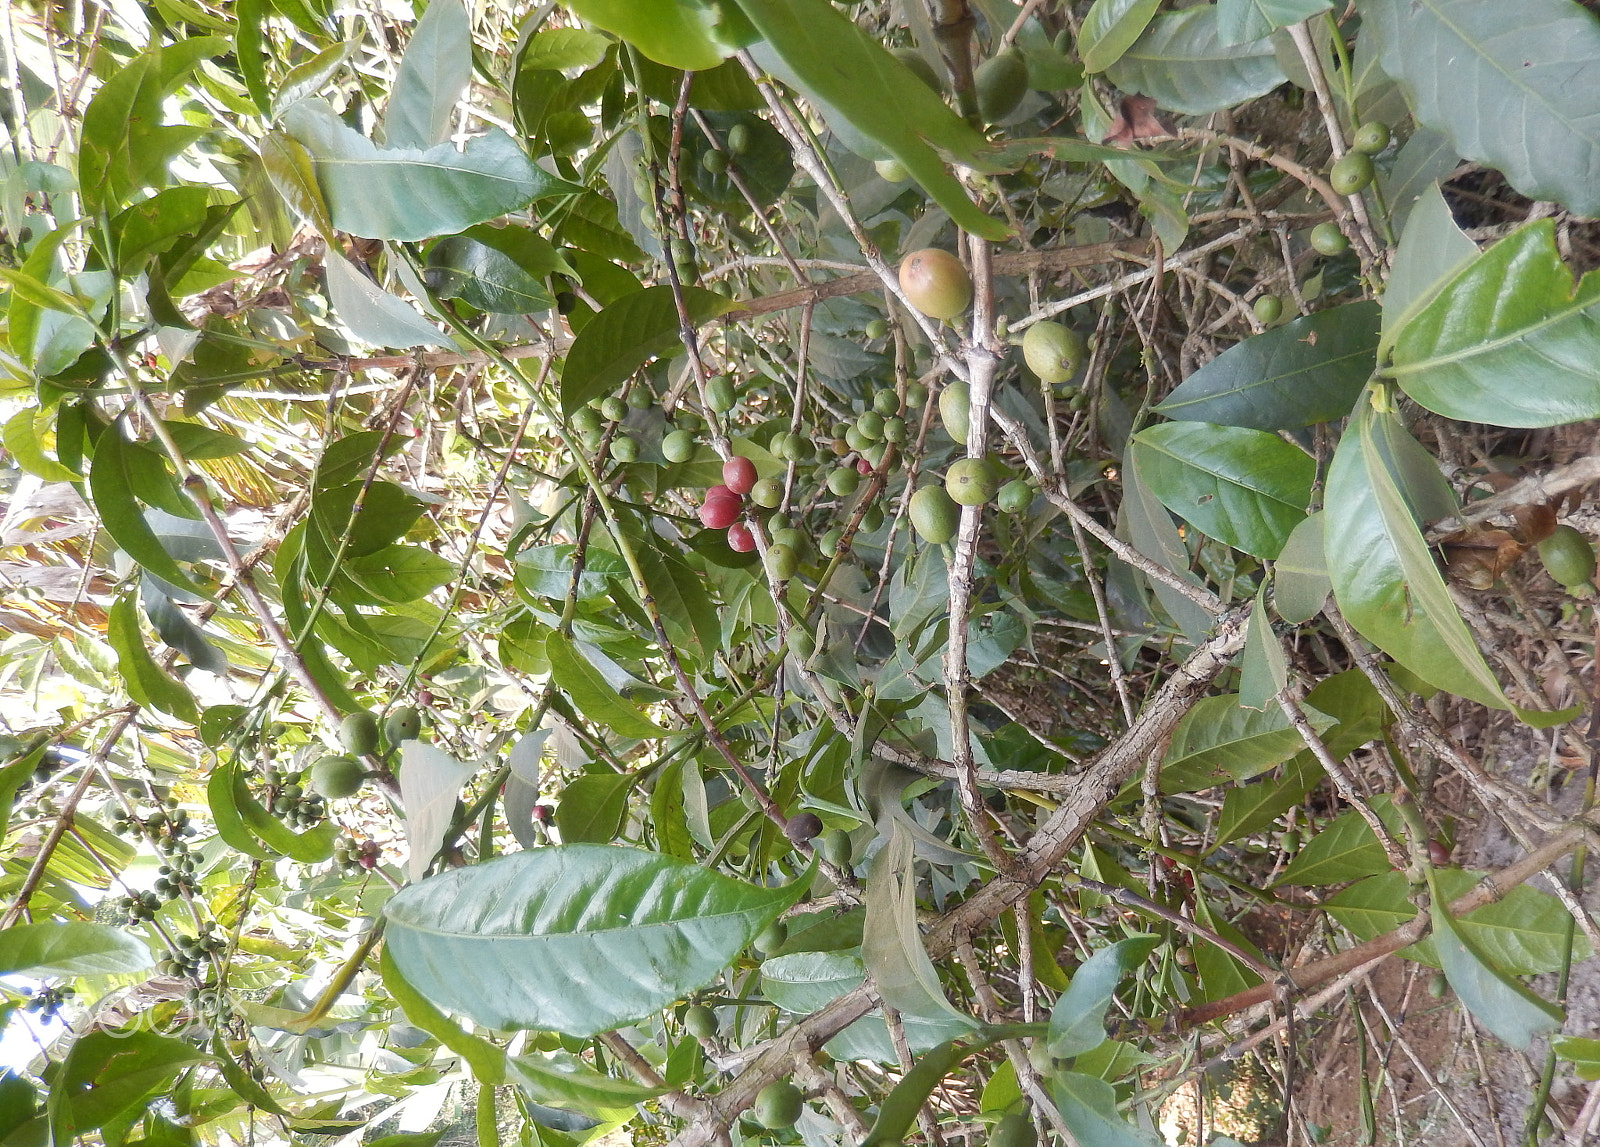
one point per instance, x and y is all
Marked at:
(358, 733)
(404, 724)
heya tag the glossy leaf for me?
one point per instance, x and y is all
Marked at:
(1582, 1052)
(111, 488)
(1088, 1107)
(563, 48)
(1381, 485)
(306, 79)
(146, 682)
(891, 943)
(1240, 21)
(1306, 371)
(1344, 849)
(293, 175)
(1244, 487)
(851, 73)
(225, 792)
(625, 336)
(574, 938)
(1432, 251)
(1078, 1020)
(1252, 807)
(408, 193)
(1503, 1005)
(592, 807)
(488, 1062)
(592, 693)
(68, 949)
(109, 1074)
(498, 269)
(1264, 670)
(1508, 340)
(677, 35)
(1182, 63)
(371, 313)
(1219, 740)
(1145, 522)
(399, 574)
(897, 1113)
(435, 70)
(1514, 86)
(1300, 584)
(1110, 29)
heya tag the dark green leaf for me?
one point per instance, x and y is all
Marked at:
(1306, 371)
(1513, 85)
(592, 693)
(592, 807)
(1432, 251)
(1244, 487)
(1078, 1021)
(1111, 28)
(1344, 850)
(1183, 64)
(435, 70)
(225, 790)
(371, 313)
(1240, 21)
(563, 48)
(575, 938)
(110, 1073)
(494, 270)
(1088, 1107)
(1582, 1052)
(1300, 584)
(152, 225)
(1264, 670)
(146, 682)
(1507, 340)
(60, 949)
(1250, 808)
(177, 631)
(400, 574)
(898, 1111)
(1219, 740)
(625, 336)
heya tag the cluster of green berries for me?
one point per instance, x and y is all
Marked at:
(291, 803)
(355, 857)
(139, 906)
(46, 1003)
(168, 826)
(589, 422)
(191, 955)
(177, 877)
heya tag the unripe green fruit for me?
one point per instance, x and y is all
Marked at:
(1371, 137)
(624, 449)
(337, 776)
(894, 430)
(585, 421)
(1327, 239)
(716, 162)
(955, 411)
(1438, 985)
(678, 446)
(870, 424)
(1014, 1130)
(1352, 173)
(772, 937)
(782, 562)
(1001, 82)
(700, 1021)
(843, 481)
(916, 396)
(834, 845)
(1568, 557)
(1290, 840)
(1053, 351)
(919, 66)
(801, 644)
(613, 409)
(935, 282)
(404, 724)
(358, 733)
(872, 519)
(856, 440)
(639, 398)
(719, 394)
(779, 1105)
(891, 170)
(1268, 308)
(970, 481)
(829, 542)
(886, 402)
(791, 537)
(739, 139)
(876, 329)
(1015, 496)
(767, 493)
(793, 448)
(934, 515)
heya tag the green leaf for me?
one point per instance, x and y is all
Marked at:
(225, 789)
(628, 334)
(371, 313)
(1219, 740)
(1510, 84)
(592, 807)
(399, 574)
(573, 938)
(146, 682)
(1383, 574)
(1181, 62)
(1432, 251)
(1344, 850)
(1508, 340)
(1264, 670)
(1088, 1107)
(572, 1085)
(1249, 808)
(408, 193)
(687, 610)
(1078, 1021)
(849, 73)
(1240, 21)
(1144, 521)
(592, 693)
(23, 438)
(670, 33)
(891, 943)
(1221, 973)
(294, 177)
(495, 269)
(487, 1061)
(155, 224)
(1582, 1052)
(306, 79)
(561, 49)
(435, 70)
(1300, 584)
(1306, 371)
(64, 949)
(898, 1110)
(1246, 488)
(109, 1074)
(1111, 28)
(1501, 1004)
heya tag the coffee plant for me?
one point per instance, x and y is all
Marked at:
(776, 571)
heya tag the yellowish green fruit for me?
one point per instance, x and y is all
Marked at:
(337, 776)
(700, 1021)
(1371, 137)
(1352, 173)
(1327, 239)
(782, 562)
(1015, 496)
(955, 404)
(934, 515)
(358, 733)
(1568, 557)
(779, 1105)
(1001, 82)
(1053, 351)
(678, 446)
(719, 394)
(1268, 308)
(970, 481)
(919, 66)
(772, 937)
(404, 724)
(891, 171)
(835, 847)
(843, 481)
(936, 283)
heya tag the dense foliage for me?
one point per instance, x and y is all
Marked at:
(782, 571)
